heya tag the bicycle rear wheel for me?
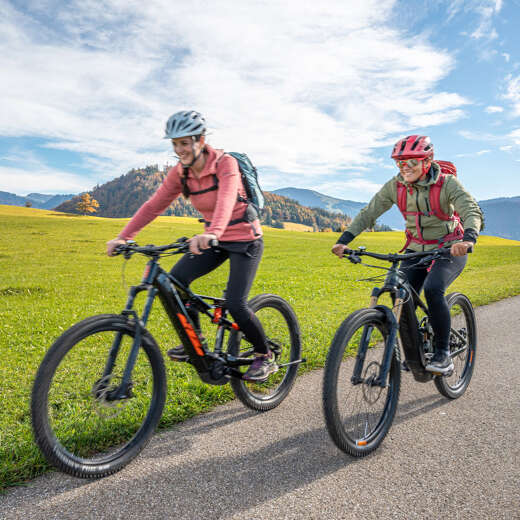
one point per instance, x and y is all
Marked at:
(78, 426)
(463, 347)
(358, 415)
(283, 334)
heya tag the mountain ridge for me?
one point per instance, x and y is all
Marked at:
(36, 200)
(123, 196)
(502, 214)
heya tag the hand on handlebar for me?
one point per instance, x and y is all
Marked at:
(461, 248)
(112, 244)
(203, 241)
(340, 250)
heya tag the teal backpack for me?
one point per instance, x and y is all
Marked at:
(249, 174)
(254, 193)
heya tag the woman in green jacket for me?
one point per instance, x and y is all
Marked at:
(434, 205)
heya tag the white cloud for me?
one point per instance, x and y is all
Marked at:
(303, 88)
(46, 180)
(493, 109)
(484, 10)
(480, 152)
(506, 142)
(506, 56)
(478, 136)
(513, 92)
(22, 172)
(515, 136)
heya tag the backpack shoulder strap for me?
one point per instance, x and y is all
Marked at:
(401, 198)
(435, 198)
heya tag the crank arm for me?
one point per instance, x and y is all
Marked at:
(298, 361)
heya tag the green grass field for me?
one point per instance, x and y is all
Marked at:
(55, 273)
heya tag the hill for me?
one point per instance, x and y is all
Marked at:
(123, 196)
(502, 217)
(36, 200)
(314, 199)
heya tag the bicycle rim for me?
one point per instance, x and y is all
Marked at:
(463, 340)
(358, 416)
(78, 426)
(281, 329)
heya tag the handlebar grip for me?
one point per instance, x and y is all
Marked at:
(353, 257)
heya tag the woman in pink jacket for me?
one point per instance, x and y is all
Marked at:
(212, 180)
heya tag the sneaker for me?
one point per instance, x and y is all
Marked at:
(261, 368)
(440, 363)
(405, 367)
(177, 353)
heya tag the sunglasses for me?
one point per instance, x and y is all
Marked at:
(411, 163)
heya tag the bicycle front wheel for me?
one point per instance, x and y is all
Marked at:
(463, 347)
(359, 412)
(79, 426)
(283, 335)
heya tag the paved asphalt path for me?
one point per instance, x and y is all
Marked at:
(442, 459)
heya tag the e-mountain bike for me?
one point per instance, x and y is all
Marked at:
(360, 394)
(100, 390)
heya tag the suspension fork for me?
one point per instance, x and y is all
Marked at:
(365, 340)
(392, 318)
(123, 390)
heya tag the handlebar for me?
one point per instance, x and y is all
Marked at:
(175, 248)
(443, 252)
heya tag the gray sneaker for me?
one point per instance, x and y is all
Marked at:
(177, 353)
(440, 363)
(261, 368)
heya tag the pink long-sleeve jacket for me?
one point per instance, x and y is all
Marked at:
(218, 207)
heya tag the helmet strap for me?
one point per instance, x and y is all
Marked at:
(425, 169)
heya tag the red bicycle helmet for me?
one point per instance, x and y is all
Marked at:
(413, 146)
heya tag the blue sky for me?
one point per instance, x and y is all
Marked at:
(315, 92)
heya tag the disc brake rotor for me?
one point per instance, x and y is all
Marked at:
(371, 391)
(107, 409)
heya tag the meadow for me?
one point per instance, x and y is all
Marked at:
(55, 272)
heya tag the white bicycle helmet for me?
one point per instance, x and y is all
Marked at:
(184, 124)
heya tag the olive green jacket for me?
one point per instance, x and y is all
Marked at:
(453, 197)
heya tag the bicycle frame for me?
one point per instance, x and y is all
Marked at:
(404, 298)
(214, 367)
(156, 281)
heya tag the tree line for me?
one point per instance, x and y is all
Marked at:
(123, 196)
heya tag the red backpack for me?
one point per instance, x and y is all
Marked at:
(447, 168)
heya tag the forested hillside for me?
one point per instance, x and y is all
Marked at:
(122, 197)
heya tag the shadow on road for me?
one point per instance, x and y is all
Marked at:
(219, 485)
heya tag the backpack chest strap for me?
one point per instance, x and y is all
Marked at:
(200, 192)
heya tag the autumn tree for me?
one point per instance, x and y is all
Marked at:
(87, 204)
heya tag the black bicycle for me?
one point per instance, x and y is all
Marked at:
(100, 390)
(360, 393)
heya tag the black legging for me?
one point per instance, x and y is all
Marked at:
(435, 282)
(244, 258)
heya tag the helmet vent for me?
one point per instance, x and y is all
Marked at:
(416, 142)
